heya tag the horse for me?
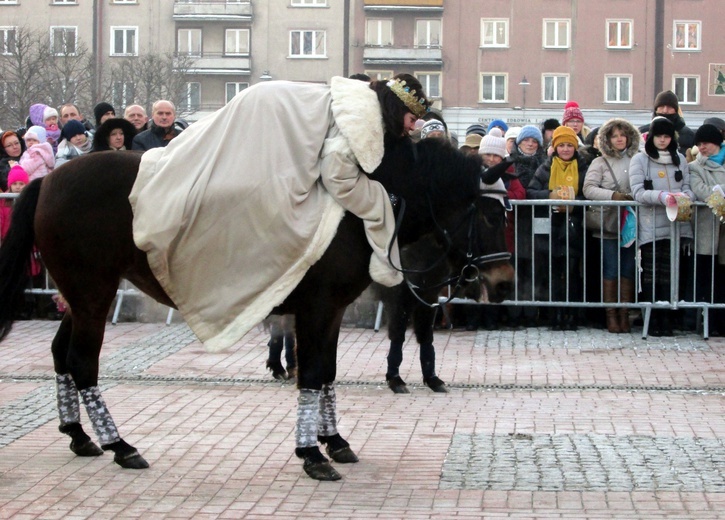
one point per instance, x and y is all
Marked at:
(80, 219)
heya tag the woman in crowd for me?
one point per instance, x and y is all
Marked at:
(74, 144)
(11, 149)
(114, 134)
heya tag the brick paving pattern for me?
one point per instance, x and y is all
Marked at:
(537, 424)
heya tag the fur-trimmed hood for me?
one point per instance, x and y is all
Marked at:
(357, 112)
(100, 138)
(633, 137)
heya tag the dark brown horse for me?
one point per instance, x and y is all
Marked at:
(81, 221)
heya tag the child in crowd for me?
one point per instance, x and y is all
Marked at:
(74, 144)
(46, 117)
(17, 180)
(38, 159)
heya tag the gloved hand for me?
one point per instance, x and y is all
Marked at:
(621, 196)
(668, 199)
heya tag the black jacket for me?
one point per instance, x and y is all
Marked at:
(153, 137)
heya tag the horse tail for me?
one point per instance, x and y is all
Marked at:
(15, 254)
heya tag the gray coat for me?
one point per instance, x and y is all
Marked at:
(654, 225)
(704, 175)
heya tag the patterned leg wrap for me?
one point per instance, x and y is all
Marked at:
(100, 417)
(307, 410)
(327, 420)
(69, 408)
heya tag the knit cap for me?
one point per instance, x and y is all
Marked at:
(667, 98)
(17, 173)
(512, 133)
(72, 128)
(39, 132)
(476, 129)
(572, 111)
(497, 123)
(433, 125)
(102, 108)
(494, 145)
(564, 134)
(49, 112)
(708, 134)
(719, 123)
(37, 113)
(530, 131)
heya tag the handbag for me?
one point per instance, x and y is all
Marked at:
(604, 218)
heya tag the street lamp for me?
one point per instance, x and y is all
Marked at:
(524, 83)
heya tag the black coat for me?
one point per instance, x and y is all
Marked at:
(100, 138)
(153, 137)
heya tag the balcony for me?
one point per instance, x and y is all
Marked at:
(211, 63)
(212, 10)
(427, 6)
(403, 56)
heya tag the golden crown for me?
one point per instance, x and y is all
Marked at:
(415, 104)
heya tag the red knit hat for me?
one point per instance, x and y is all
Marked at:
(572, 111)
(17, 173)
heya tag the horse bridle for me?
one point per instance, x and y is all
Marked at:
(470, 271)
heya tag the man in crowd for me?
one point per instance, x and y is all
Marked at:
(161, 128)
(136, 114)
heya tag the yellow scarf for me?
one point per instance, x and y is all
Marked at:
(564, 173)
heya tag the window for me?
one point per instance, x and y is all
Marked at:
(379, 33)
(493, 88)
(122, 94)
(236, 42)
(307, 44)
(428, 33)
(192, 97)
(618, 89)
(687, 89)
(61, 2)
(556, 34)
(687, 36)
(379, 74)
(125, 1)
(308, 3)
(124, 41)
(619, 34)
(235, 88)
(555, 88)
(7, 40)
(189, 42)
(495, 32)
(63, 40)
(431, 82)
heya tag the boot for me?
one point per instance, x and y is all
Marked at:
(627, 292)
(610, 295)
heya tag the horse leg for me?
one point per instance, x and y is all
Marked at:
(423, 317)
(289, 345)
(276, 344)
(337, 448)
(397, 323)
(69, 411)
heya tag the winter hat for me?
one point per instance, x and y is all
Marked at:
(17, 173)
(564, 134)
(716, 121)
(512, 133)
(708, 134)
(72, 128)
(493, 144)
(102, 108)
(661, 126)
(49, 112)
(476, 129)
(530, 131)
(39, 132)
(496, 132)
(497, 123)
(430, 126)
(550, 124)
(667, 98)
(572, 111)
(473, 140)
(37, 113)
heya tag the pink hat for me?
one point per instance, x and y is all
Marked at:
(572, 111)
(17, 173)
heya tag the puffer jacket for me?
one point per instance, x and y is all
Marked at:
(654, 225)
(704, 175)
(598, 183)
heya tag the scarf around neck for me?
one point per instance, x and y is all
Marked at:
(564, 173)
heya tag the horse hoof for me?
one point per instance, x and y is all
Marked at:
(320, 470)
(86, 449)
(131, 460)
(343, 455)
(435, 384)
(397, 385)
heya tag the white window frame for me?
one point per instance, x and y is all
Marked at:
(379, 74)
(505, 80)
(5, 33)
(64, 2)
(685, 47)
(559, 96)
(618, 100)
(496, 24)
(115, 52)
(684, 100)
(374, 32)
(125, 1)
(298, 34)
(425, 80)
(621, 27)
(185, 41)
(238, 87)
(427, 25)
(9, 2)
(64, 29)
(241, 37)
(308, 3)
(186, 105)
(557, 22)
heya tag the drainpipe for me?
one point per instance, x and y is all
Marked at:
(97, 46)
(659, 46)
(346, 40)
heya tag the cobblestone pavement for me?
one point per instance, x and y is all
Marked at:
(537, 424)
